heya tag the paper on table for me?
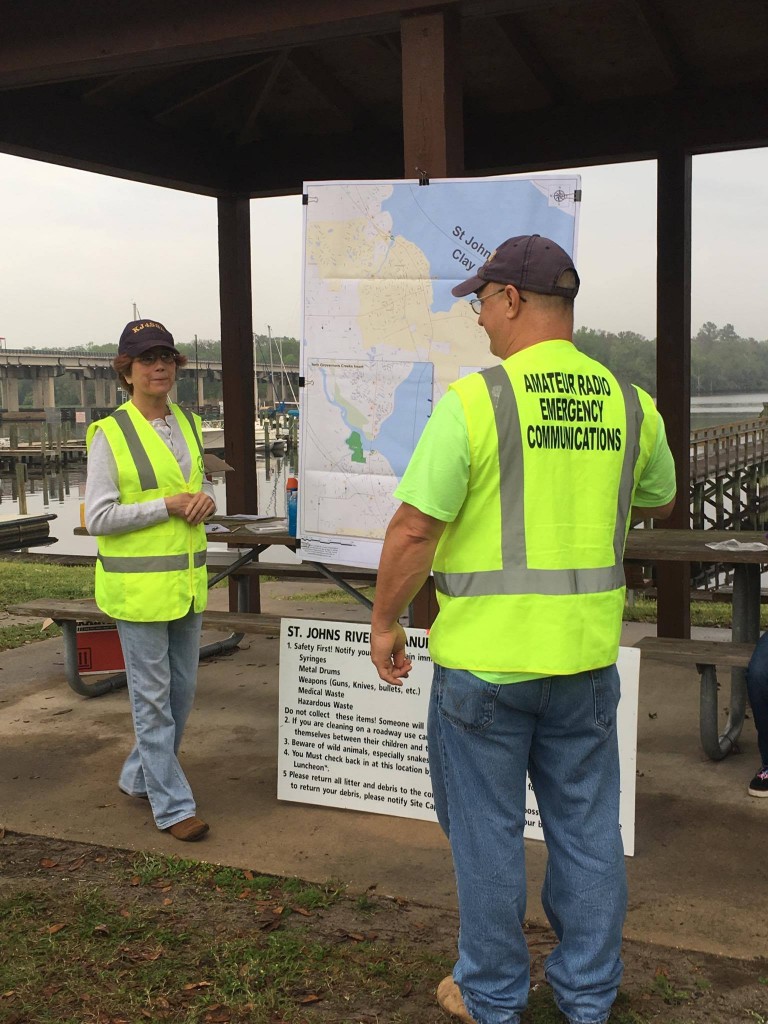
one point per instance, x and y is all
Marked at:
(738, 545)
(216, 528)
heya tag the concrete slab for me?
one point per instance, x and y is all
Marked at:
(695, 881)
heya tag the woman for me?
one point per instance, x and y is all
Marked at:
(146, 498)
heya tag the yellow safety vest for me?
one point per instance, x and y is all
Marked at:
(529, 576)
(156, 573)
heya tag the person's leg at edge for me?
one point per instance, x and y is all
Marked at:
(757, 688)
(145, 650)
(574, 770)
(184, 658)
(478, 749)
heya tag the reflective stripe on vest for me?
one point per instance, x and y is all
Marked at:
(150, 563)
(514, 577)
(190, 418)
(145, 469)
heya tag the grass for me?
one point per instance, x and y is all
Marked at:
(669, 993)
(22, 581)
(98, 936)
(333, 596)
(17, 636)
(703, 613)
(159, 871)
(102, 961)
(178, 940)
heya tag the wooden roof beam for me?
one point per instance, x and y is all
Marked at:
(368, 152)
(72, 39)
(248, 131)
(204, 93)
(320, 78)
(567, 135)
(389, 42)
(104, 85)
(667, 49)
(526, 52)
(39, 126)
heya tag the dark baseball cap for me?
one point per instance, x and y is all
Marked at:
(140, 335)
(529, 262)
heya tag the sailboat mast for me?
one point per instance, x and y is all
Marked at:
(271, 367)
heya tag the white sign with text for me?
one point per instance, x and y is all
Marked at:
(348, 740)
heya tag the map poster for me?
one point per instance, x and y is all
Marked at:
(383, 337)
(348, 740)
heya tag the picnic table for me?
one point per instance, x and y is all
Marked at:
(746, 551)
(250, 537)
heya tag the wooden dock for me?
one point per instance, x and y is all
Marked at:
(729, 476)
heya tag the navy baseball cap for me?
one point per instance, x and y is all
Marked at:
(529, 262)
(140, 335)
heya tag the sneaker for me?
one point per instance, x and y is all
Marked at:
(449, 998)
(759, 785)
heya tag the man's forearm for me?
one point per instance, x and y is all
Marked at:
(639, 513)
(406, 560)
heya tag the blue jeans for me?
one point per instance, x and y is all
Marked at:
(757, 687)
(161, 665)
(482, 738)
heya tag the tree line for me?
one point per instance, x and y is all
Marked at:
(722, 362)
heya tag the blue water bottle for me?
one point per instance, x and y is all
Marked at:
(291, 502)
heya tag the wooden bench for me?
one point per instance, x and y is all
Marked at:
(706, 655)
(67, 614)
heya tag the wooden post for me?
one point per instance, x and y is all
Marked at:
(44, 459)
(433, 127)
(673, 370)
(237, 367)
(433, 138)
(60, 460)
(20, 487)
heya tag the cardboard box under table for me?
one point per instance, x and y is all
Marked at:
(98, 648)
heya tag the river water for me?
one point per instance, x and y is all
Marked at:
(706, 410)
(270, 478)
(711, 410)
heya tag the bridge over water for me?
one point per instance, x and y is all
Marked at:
(97, 381)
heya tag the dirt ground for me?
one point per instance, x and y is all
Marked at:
(661, 985)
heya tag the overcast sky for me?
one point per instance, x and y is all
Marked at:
(79, 249)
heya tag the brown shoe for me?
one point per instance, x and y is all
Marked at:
(449, 997)
(188, 830)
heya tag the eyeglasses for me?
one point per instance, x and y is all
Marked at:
(477, 303)
(150, 358)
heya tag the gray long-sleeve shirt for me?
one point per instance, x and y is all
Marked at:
(104, 513)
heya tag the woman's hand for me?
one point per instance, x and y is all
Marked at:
(192, 507)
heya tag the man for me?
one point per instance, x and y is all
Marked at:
(519, 496)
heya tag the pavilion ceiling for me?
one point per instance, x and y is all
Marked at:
(253, 98)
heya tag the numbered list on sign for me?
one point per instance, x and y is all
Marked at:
(346, 739)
